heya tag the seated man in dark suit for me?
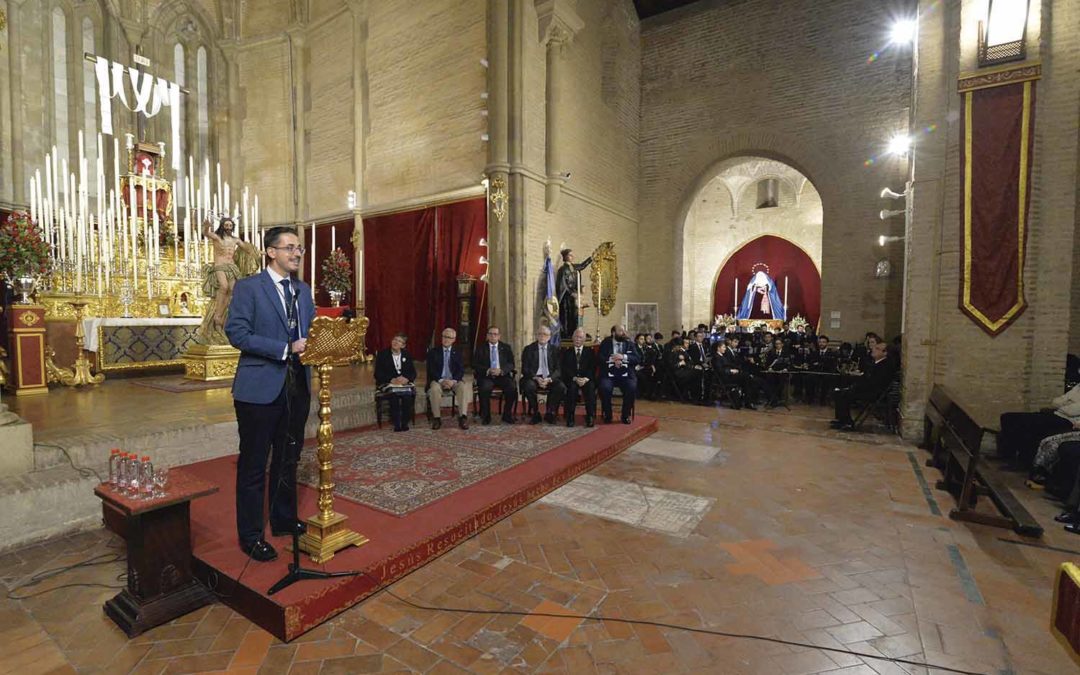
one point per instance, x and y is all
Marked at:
(874, 381)
(493, 364)
(540, 370)
(445, 372)
(698, 352)
(395, 374)
(747, 376)
(820, 359)
(684, 376)
(777, 364)
(579, 374)
(618, 357)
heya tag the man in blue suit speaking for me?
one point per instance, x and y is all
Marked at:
(269, 318)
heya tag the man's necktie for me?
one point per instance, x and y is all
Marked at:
(543, 361)
(494, 356)
(445, 365)
(577, 358)
(290, 311)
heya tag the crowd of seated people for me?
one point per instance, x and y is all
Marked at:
(765, 368)
(702, 366)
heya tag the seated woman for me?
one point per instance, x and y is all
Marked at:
(1021, 432)
(395, 374)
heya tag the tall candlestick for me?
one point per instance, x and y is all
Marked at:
(735, 312)
(785, 297)
(311, 252)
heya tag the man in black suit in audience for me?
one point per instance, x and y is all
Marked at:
(698, 352)
(579, 373)
(540, 370)
(493, 365)
(874, 381)
(820, 360)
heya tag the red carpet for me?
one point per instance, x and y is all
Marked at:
(398, 545)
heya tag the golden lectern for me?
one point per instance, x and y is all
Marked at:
(331, 342)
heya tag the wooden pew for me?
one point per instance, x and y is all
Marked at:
(954, 438)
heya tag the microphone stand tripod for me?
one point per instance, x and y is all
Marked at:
(296, 572)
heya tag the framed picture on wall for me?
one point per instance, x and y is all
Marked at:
(642, 317)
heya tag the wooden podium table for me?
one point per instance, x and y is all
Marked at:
(160, 585)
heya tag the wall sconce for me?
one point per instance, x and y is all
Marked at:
(885, 214)
(483, 242)
(350, 199)
(883, 239)
(1002, 37)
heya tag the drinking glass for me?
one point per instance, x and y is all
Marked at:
(161, 478)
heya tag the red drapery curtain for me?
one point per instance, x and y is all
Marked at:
(411, 263)
(342, 232)
(461, 225)
(784, 260)
(398, 257)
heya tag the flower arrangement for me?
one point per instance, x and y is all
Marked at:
(23, 252)
(726, 320)
(797, 321)
(337, 272)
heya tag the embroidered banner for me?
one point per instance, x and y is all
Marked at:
(995, 160)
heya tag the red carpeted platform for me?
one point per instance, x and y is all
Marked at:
(398, 545)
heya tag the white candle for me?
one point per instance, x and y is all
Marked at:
(736, 310)
(225, 200)
(217, 195)
(785, 297)
(333, 238)
(311, 252)
(33, 199)
(48, 199)
(246, 216)
(360, 275)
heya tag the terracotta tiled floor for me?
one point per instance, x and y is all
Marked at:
(814, 537)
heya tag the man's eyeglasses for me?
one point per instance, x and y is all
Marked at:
(290, 249)
(449, 337)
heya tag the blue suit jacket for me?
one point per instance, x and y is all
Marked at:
(434, 364)
(607, 348)
(258, 328)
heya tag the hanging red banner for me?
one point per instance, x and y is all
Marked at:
(995, 161)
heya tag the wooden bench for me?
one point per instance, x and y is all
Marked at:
(954, 438)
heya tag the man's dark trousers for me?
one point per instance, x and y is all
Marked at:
(277, 428)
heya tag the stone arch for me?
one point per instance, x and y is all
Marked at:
(706, 160)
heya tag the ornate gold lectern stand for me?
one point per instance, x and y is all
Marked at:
(331, 342)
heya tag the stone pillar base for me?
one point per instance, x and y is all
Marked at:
(206, 363)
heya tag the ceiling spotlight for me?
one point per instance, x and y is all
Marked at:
(483, 242)
(887, 193)
(484, 137)
(483, 260)
(899, 145)
(903, 32)
(484, 62)
(350, 199)
(485, 182)
(886, 214)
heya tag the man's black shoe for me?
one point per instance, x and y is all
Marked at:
(1073, 527)
(507, 419)
(550, 418)
(284, 531)
(607, 419)
(588, 421)
(626, 420)
(436, 424)
(259, 551)
(485, 420)
(1068, 517)
(463, 421)
(535, 419)
(569, 421)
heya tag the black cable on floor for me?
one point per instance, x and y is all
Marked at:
(671, 626)
(84, 472)
(100, 559)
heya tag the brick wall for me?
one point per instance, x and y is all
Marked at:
(790, 81)
(600, 95)
(328, 115)
(423, 126)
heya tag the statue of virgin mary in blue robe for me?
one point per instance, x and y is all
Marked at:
(761, 300)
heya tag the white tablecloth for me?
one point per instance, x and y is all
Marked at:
(90, 326)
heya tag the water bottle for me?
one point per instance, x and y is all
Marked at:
(146, 477)
(122, 472)
(133, 474)
(114, 467)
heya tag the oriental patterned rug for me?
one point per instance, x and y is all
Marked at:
(400, 472)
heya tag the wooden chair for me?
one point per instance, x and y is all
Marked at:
(382, 398)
